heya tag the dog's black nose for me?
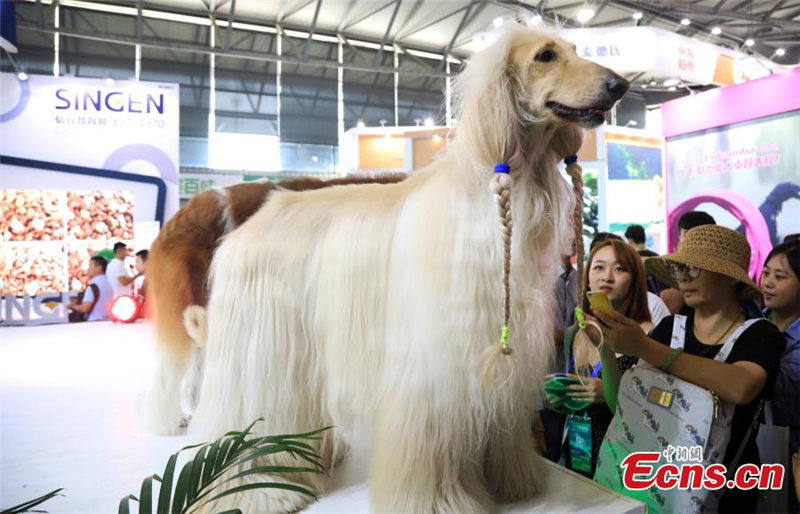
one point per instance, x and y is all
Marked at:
(616, 86)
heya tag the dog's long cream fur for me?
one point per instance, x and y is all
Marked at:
(368, 307)
(177, 278)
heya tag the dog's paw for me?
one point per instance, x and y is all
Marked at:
(159, 415)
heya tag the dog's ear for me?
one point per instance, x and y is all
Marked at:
(515, 152)
(515, 86)
(195, 319)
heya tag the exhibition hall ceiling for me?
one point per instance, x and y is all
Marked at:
(448, 25)
(176, 40)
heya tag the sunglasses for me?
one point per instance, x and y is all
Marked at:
(678, 271)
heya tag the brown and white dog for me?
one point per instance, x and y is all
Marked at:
(177, 278)
(370, 307)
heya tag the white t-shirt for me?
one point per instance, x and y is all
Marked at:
(658, 309)
(100, 310)
(114, 270)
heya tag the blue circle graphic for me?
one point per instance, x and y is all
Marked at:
(24, 97)
(142, 152)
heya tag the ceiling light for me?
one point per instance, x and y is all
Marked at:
(780, 52)
(749, 42)
(497, 21)
(637, 15)
(22, 75)
(686, 22)
(671, 82)
(716, 31)
(585, 14)
(360, 124)
(534, 20)
(437, 138)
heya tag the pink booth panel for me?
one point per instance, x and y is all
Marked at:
(743, 209)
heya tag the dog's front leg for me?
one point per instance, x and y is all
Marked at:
(425, 461)
(514, 470)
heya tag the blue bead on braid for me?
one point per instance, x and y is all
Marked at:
(502, 168)
(570, 159)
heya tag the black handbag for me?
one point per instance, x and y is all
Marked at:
(75, 316)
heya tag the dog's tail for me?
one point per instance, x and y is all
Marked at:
(195, 319)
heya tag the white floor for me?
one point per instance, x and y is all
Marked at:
(68, 398)
(69, 417)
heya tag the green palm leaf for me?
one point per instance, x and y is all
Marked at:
(199, 477)
(25, 507)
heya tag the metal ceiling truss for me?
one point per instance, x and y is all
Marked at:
(366, 16)
(661, 9)
(379, 55)
(773, 24)
(311, 30)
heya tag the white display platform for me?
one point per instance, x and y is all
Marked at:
(68, 401)
(567, 493)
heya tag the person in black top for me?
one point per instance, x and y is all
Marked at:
(710, 270)
(637, 238)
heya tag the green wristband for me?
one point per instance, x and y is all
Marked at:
(670, 359)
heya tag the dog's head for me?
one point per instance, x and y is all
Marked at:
(523, 88)
(552, 83)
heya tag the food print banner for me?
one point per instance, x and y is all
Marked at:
(746, 175)
(83, 162)
(123, 126)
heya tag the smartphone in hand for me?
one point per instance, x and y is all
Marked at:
(599, 301)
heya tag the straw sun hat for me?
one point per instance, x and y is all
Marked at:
(712, 248)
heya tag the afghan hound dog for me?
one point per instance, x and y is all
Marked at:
(177, 278)
(371, 307)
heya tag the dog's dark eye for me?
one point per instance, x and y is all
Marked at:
(545, 56)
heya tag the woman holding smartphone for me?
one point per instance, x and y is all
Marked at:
(614, 270)
(710, 271)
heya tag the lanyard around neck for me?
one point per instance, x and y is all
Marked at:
(594, 373)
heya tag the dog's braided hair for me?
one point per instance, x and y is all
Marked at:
(575, 173)
(584, 351)
(497, 371)
(501, 187)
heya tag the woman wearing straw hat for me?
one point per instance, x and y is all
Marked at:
(710, 271)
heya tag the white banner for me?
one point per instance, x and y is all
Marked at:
(654, 50)
(124, 126)
(193, 183)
